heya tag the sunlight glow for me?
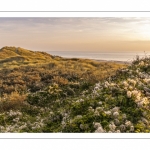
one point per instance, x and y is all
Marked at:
(145, 31)
(76, 34)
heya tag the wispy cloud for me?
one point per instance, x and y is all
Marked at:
(64, 32)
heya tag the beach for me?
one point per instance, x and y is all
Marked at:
(120, 57)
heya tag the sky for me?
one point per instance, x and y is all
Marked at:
(101, 34)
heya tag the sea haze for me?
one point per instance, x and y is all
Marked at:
(115, 56)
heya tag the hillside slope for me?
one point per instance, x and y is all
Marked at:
(11, 57)
(7, 52)
(120, 103)
(56, 94)
(27, 70)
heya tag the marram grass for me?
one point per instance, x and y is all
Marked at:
(54, 94)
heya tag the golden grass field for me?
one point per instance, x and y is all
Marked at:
(44, 93)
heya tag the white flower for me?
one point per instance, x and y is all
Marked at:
(100, 103)
(42, 109)
(112, 84)
(112, 126)
(135, 93)
(144, 113)
(124, 116)
(128, 123)
(115, 109)
(131, 128)
(1, 127)
(115, 114)
(41, 124)
(96, 113)
(33, 128)
(99, 108)
(107, 112)
(125, 83)
(133, 82)
(141, 63)
(65, 114)
(96, 125)
(125, 88)
(122, 127)
(91, 109)
(81, 100)
(11, 113)
(97, 85)
(95, 92)
(145, 100)
(100, 130)
(23, 126)
(51, 113)
(16, 119)
(117, 122)
(77, 101)
(130, 87)
(118, 131)
(79, 116)
(145, 121)
(96, 88)
(19, 113)
(138, 98)
(64, 118)
(106, 84)
(81, 126)
(146, 80)
(129, 94)
(140, 104)
(37, 126)
(70, 120)
(137, 70)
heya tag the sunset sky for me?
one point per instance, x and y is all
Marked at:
(101, 34)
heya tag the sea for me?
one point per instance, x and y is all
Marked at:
(109, 56)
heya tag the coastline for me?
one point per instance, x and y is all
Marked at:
(100, 60)
(116, 59)
(113, 61)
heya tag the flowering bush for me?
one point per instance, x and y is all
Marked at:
(72, 103)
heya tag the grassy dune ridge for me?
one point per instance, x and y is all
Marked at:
(45, 93)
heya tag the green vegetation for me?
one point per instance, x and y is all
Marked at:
(44, 93)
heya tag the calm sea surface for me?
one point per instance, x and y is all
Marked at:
(100, 55)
